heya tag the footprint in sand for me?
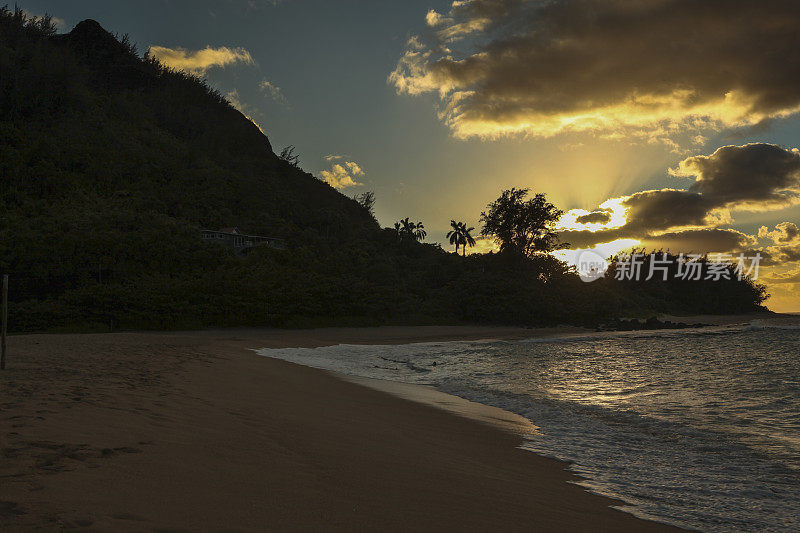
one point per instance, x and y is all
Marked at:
(127, 516)
(9, 509)
(106, 452)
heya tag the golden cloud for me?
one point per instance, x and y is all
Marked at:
(273, 91)
(59, 23)
(756, 176)
(752, 176)
(483, 245)
(784, 232)
(784, 277)
(663, 67)
(199, 61)
(343, 175)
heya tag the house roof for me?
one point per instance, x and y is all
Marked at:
(229, 230)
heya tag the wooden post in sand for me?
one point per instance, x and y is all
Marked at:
(5, 323)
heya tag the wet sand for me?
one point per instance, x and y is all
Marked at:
(196, 432)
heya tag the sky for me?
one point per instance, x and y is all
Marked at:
(669, 124)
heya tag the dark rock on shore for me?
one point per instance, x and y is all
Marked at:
(620, 324)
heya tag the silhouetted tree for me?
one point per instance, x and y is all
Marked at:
(129, 45)
(467, 238)
(288, 155)
(693, 282)
(455, 234)
(367, 201)
(460, 235)
(409, 231)
(419, 231)
(521, 226)
(42, 26)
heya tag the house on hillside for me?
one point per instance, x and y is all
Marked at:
(241, 243)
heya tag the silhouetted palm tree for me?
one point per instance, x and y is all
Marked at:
(460, 235)
(419, 231)
(466, 238)
(410, 231)
(454, 234)
(408, 227)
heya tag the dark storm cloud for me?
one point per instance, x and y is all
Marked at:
(648, 212)
(544, 67)
(790, 232)
(699, 241)
(602, 216)
(751, 177)
(785, 232)
(786, 254)
(751, 174)
(582, 239)
(767, 259)
(666, 208)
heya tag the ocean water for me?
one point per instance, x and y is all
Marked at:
(696, 428)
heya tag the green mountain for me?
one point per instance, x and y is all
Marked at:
(111, 165)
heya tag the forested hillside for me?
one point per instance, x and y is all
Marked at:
(111, 164)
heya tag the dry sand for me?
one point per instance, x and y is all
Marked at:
(195, 432)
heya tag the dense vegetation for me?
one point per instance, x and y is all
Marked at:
(111, 164)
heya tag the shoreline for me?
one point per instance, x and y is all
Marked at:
(132, 431)
(730, 320)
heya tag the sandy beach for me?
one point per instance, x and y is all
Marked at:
(196, 432)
